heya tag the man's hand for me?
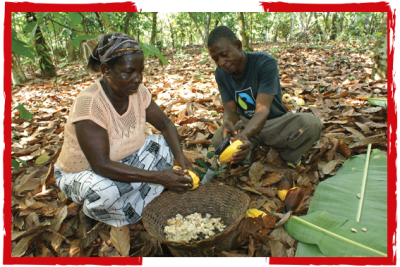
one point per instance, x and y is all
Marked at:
(228, 126)
(238, 156)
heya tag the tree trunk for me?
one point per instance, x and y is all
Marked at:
(17, 73)
(334, 26)
(172, 33)
(326, 17)
(154, 29)
(266, 33)
(70, 51)
(366, 23)
(242, 31)
(318, 27)
(207, 29)
(275, 38)
(291, 27)
(45, 63)
(109, 27)
(101, 28)
(198, 28)
(216, 23)
(300, 18)
(379, 70)
(129, 15)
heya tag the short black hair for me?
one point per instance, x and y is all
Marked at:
(219, 33)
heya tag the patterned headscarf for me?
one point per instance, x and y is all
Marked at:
(119, 44)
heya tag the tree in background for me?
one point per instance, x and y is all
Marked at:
(45, 63)
(153, 29)
(242, 31)
(379, 70)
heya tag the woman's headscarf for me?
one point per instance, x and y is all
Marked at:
(118, 44)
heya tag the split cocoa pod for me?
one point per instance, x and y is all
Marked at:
(254, 213)
(229, 151)
(293, 198)
(195, 178)
(283, 187)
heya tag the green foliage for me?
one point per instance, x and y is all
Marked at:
(338, 197)
(20, 47)
(149, 51)
(79, 38)
(200, 173)
(25, 114)
(202, 164)
(75, 18)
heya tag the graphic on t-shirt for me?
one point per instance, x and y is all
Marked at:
(246, 102)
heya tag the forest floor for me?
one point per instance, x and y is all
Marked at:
(332, 79)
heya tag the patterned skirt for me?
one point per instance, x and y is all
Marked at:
(112, 202)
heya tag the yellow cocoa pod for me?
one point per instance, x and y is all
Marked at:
(195, 178)
(228, 152)
(254, 213)
(300, 102)
(282, 194)
(287, 98)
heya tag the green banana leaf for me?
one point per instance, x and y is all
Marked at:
(334, 235)
(338, 195)
(377, 102)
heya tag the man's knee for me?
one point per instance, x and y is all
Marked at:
(312, 125)
(217, 138)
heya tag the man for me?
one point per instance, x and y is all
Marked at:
(252, 98)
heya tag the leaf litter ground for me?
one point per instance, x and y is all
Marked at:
(334, 81)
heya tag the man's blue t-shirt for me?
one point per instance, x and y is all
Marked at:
(260, 76)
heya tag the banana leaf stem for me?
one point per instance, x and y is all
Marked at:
(363, 184)
(338, 236)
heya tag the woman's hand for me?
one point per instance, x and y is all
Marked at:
(238, 156)
(184, 163)
(176, 180)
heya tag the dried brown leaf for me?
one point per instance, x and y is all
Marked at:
(230, 254)
(250, 189)
(23, 244)
(363, 127)
(192, 156)
(74, 250)
(59, 219)
(272, 178)
(108, 252)
(367, 141)
(56, 242)
(344, 149)
(285, 218)
(256, 172)
(92, 235)
(251, 247)
(121, 239)
(331, 152)
(274, 158)
(330, 166)
(355, 132)
(267, 191)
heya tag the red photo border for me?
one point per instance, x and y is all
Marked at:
(268, 7)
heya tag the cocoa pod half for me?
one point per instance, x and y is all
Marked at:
(293, 198)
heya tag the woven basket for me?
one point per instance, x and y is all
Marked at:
(218, 200)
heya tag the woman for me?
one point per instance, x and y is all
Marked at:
(107, 163)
